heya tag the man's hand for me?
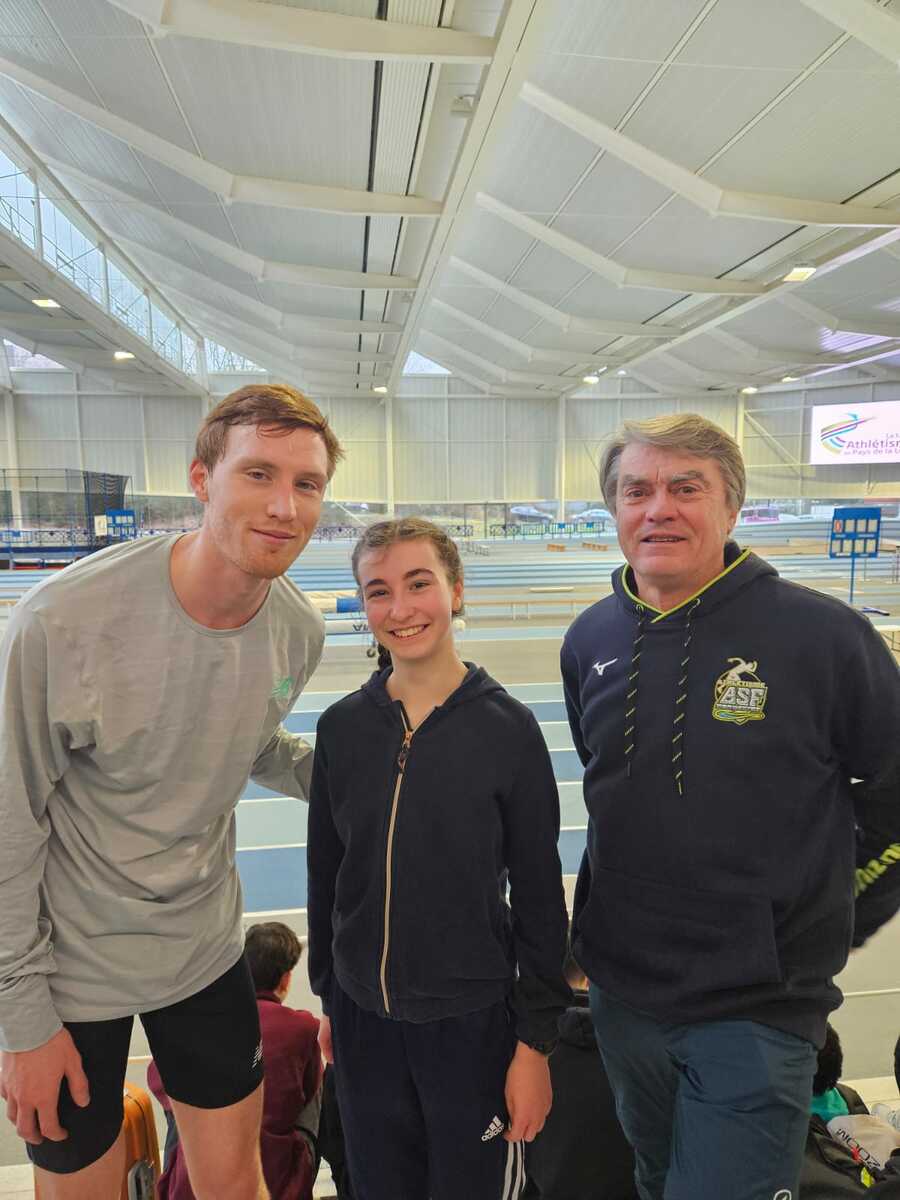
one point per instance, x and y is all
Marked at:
(528, 1094)
(325, 1040)
(30, 1082)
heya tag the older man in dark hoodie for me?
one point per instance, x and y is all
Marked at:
(721, 714)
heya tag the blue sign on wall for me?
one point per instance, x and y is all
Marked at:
(120, 524)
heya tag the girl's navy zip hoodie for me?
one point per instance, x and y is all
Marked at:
(719, 742)
(413, 838)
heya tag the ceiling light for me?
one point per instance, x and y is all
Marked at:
(380, 389)
(45, 302)
(123, 355)
(591, 379)
(789, 378)
(621, 371)
(749, 391)
(799, 274)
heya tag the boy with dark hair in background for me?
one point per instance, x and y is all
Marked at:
(292, 1072)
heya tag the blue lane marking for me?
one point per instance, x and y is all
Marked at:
(274, 880)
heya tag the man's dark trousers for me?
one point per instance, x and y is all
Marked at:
(714, 1109)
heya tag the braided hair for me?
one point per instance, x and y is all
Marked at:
(383, 534)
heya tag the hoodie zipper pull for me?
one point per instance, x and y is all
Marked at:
(404, 749)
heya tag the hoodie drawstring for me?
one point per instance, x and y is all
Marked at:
(680, 702)
(631, 694)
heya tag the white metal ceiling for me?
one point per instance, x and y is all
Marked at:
(567, 156)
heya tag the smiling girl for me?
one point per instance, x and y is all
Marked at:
(432, 793)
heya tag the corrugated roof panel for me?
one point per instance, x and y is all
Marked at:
(738, 35)
(400, 109)
(596, 297)
(693, 111)
(536, 163)
(834, 135)
(275, 114)
(300, 236)
(29, 38)
(491, 244)
(684, 239)
(609, 28)
(113, 51)
(326, 302)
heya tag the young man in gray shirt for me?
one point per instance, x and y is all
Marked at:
(139, 689)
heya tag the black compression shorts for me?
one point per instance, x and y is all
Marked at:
(208, 1050)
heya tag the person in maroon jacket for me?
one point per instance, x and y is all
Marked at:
(293, 1069)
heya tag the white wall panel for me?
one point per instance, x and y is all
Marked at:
(46, 417)
(476, 470)
(43, 382)
(475, 421)
(167, 468)
(531, 420)
(356, 420)
(119, 458)
(420, 419)
(420, 471)
(172, 418)
(362, 475)
(429, 385)
(44, 453)
(111, 418)
(531, 471)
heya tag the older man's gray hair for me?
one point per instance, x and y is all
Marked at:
(688, 433)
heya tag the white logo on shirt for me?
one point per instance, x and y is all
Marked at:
(257, 1057)
(600, 667)
(784, 1194)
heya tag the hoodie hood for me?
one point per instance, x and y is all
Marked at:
(718, 591)
(475, 683)
(742, 568)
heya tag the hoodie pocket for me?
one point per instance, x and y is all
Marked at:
(673, 945)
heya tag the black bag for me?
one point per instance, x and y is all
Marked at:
(830, 1172)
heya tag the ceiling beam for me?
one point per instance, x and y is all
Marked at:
(525, 24)
(714, 200)
(606, 268)
(301, 356)
(261, 269)
(281, 322)
(304, 31)
(503, 374)
(310, 382)
(851, 251)
(790, 357)
(569, 358)
(237, 189)
(865, 326)
(8, 275)
(562, 320)
(36, 323)
(878, 28)
(489, 388)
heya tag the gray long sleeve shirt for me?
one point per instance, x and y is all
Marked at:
(127, 734)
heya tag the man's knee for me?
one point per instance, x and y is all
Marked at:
(101, 1179)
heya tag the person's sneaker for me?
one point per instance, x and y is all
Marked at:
(884, 1112)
